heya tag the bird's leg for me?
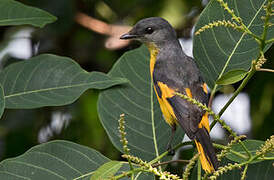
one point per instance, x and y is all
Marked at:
(169, 147)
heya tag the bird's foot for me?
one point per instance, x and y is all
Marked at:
(171, 151)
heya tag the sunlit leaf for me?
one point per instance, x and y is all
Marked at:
(221, 49)
(147, 132)
(106, 171)
(49, 80)
(15, 13)
(231, 77)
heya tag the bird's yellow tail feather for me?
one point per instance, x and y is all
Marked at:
(206, 164)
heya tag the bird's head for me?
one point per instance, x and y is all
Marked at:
(154, 30)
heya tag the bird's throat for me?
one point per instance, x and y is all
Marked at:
(153, 50)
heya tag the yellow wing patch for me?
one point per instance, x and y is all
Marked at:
(188, 92)
(204, 122)
(166, 91)
(164, 104)
(205, 88)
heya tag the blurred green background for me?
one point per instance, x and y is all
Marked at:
(78, 122)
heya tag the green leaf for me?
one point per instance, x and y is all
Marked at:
(53, 160)
(147, 132)
(231, 77)
(2, 101)
(251, 145)
(49, 80)
(220, 49)
(106, 171)
(257, 171)
(15, 13)
(61, 160)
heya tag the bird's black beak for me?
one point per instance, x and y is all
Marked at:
(129, 36)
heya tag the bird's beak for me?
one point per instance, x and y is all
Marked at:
(129, 36)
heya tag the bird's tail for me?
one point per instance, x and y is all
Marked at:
(205, 148)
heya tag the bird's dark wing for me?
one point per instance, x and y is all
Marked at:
(183, 76)
(172, 75)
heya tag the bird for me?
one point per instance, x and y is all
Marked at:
(172, 71)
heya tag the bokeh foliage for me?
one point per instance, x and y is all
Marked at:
(66, 38)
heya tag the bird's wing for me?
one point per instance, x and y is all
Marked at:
(170, 77)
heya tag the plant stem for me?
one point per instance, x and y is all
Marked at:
(136, 170)
(232, 151)
(243, 84)
(212, 94)
(267, 16)
(199, 171)
(165, 153)
(267, 158)
(244, 172)
(136, 177)
(269, 41)
(189, 166)
(266, 70)
(238, 165)
(171, 161)
(245, 148)
(223, 124)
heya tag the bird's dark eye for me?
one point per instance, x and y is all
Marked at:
(149, 30)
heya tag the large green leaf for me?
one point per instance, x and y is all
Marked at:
(61, 160)
(49, 80)
(2, 101)
(251, 145)
(53, 160)
(147, 132)
(16, 13)
(219, 50)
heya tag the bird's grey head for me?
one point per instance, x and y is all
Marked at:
(151, 30)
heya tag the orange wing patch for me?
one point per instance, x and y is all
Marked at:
(188, 92)
(166, 91)
(164, 104)
(204, 122)
(205, 88)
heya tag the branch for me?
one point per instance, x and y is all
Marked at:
(266, 70)
(189, 166)
(124, 141)
(244, 172)
(228, 147)
(269, 41)
(113, 31)
(168, 162)
(220, 23)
